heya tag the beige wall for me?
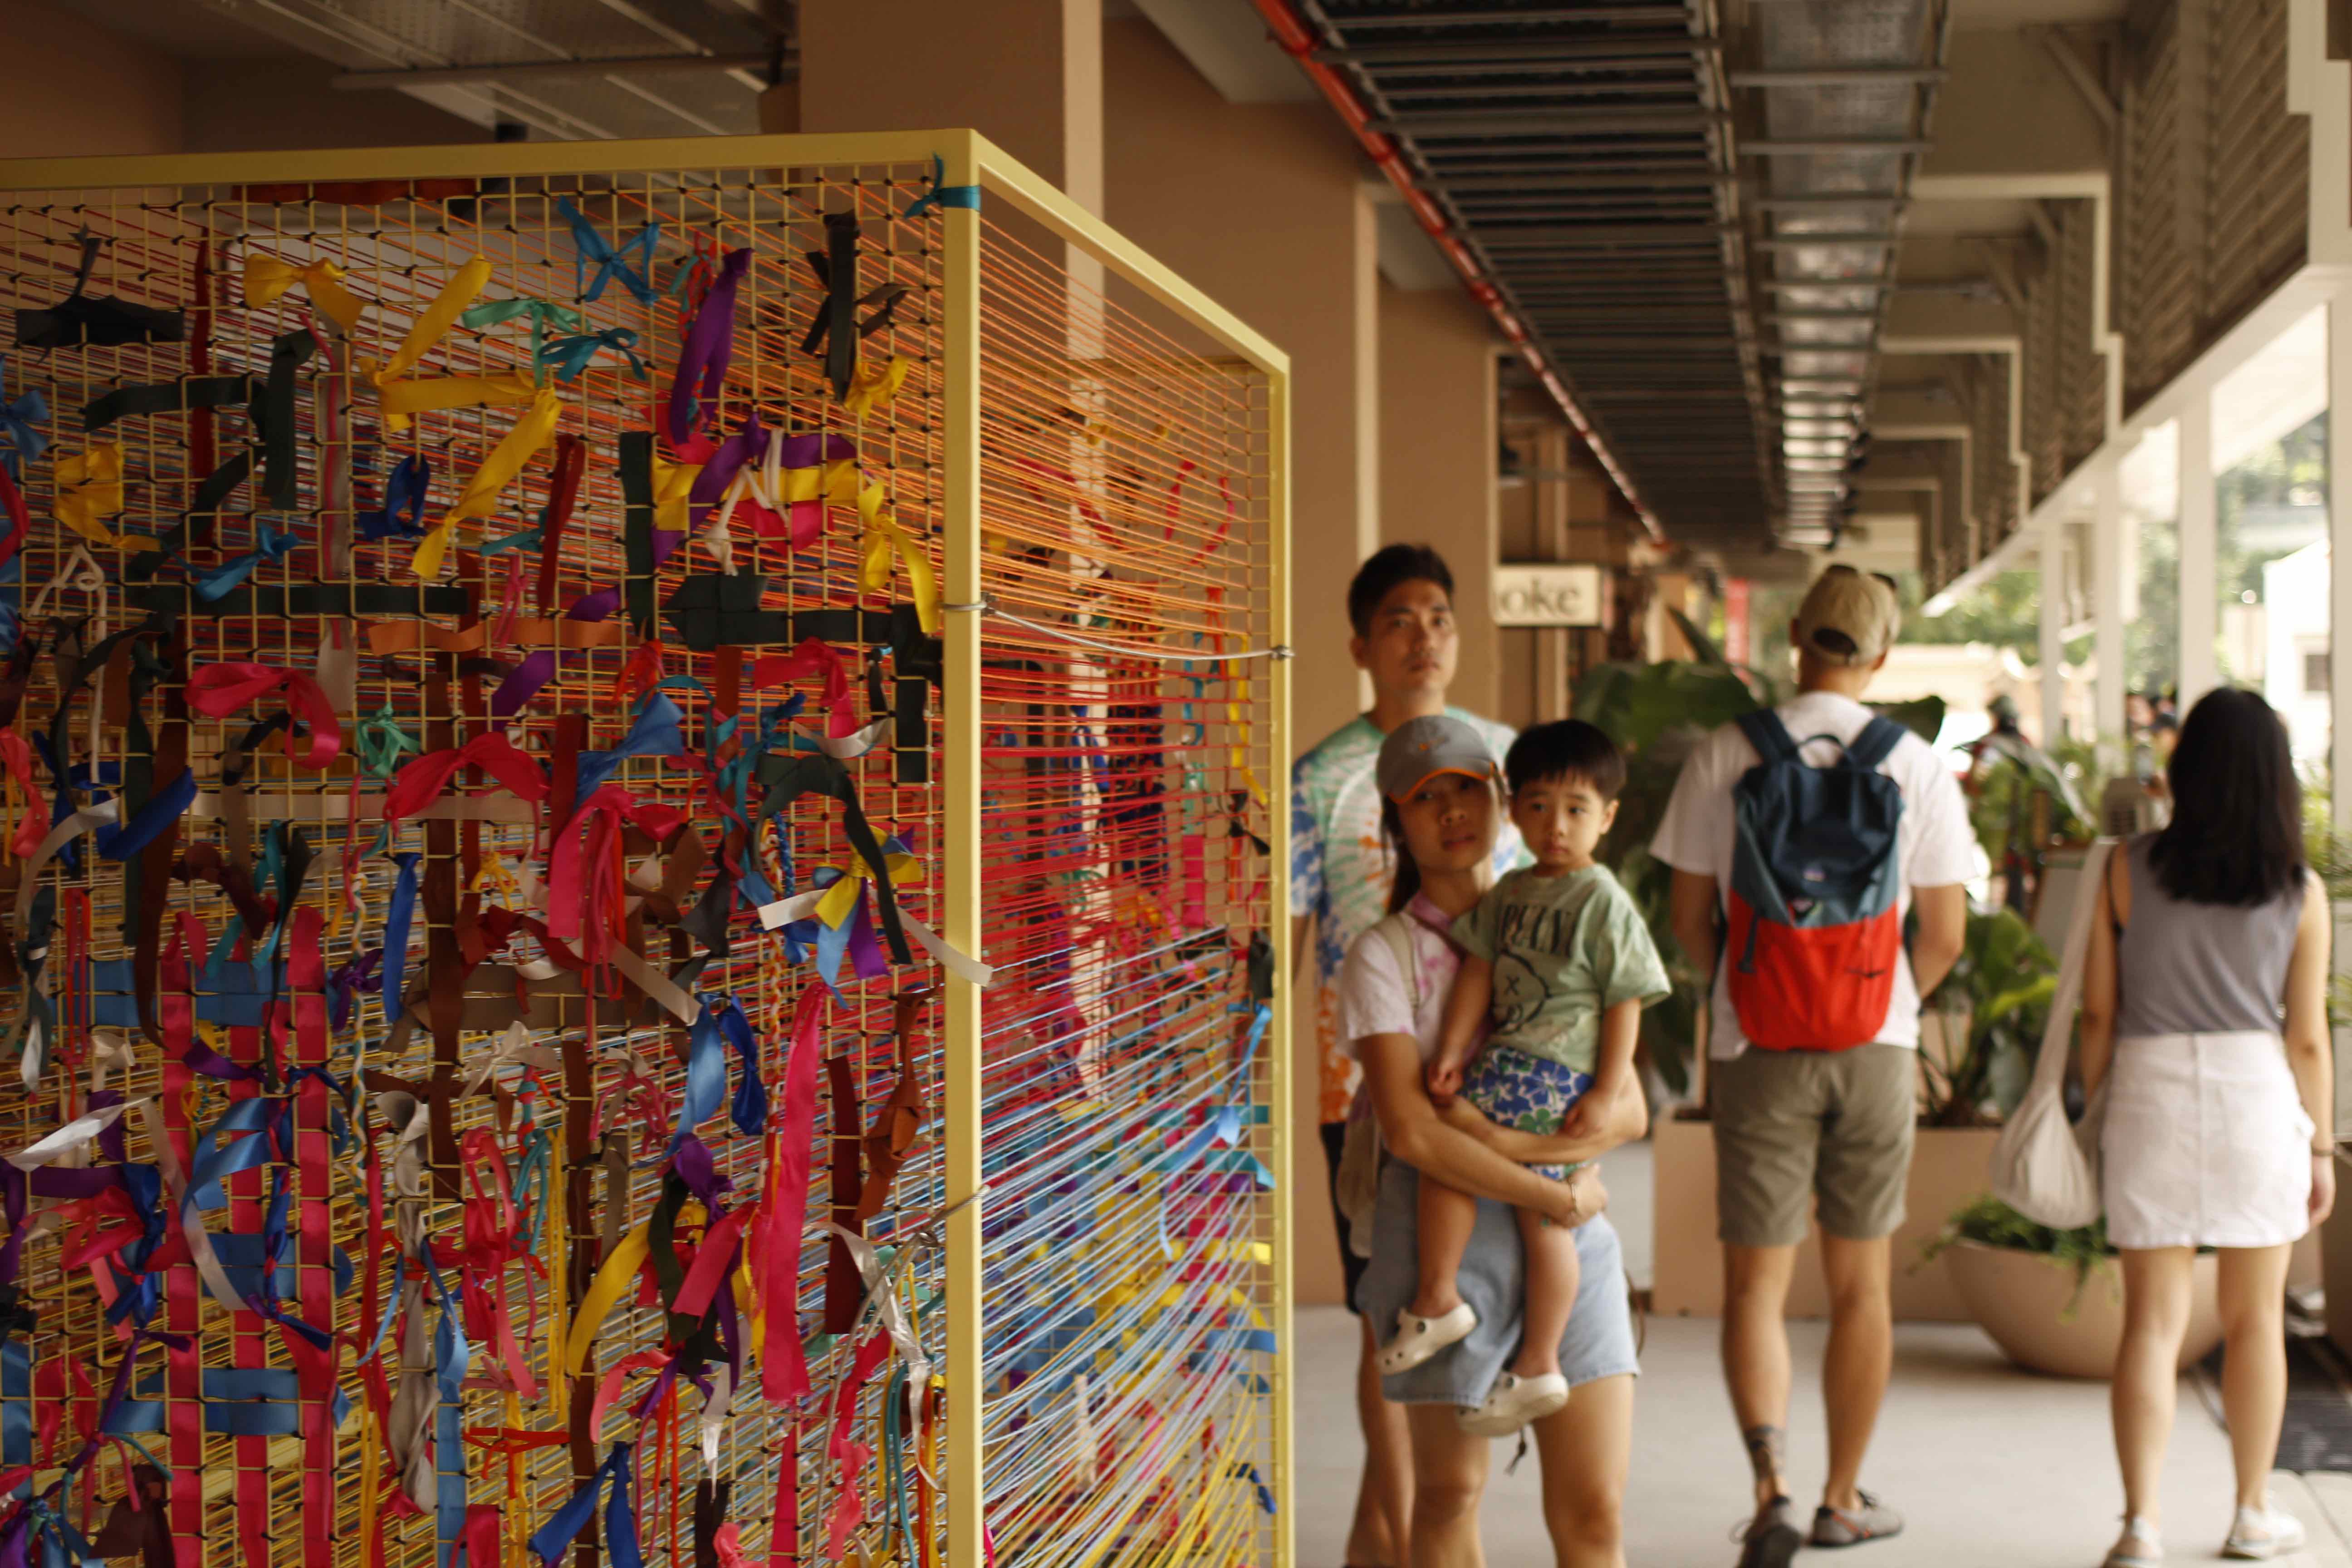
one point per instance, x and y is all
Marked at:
(77, 90)
(1025, 73)
(1437, 458)
(1262, 207)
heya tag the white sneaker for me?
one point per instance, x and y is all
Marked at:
(1512, 1402)
(2259, 1534)
(1419, 1337)
(2141, 1545)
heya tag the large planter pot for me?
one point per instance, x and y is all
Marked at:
(2022, 1299)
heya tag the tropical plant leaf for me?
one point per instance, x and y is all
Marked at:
(1702, 646)
(1923, 716)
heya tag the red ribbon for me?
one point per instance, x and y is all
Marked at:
(813, 657)
(568, 905)
(776, 1239)
(19, 519)
(218, 691)
(422, 780)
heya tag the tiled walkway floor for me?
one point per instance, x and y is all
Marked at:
(1994, 1467)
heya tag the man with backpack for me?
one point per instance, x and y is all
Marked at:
(1801, 837)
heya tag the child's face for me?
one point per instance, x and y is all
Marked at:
(1412, 646)
(1562, 820)
(1449, 824)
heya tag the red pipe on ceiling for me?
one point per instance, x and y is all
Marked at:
(1299, 40)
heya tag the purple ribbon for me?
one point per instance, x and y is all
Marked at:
(594, 606)
(346, 982)
(710, 348)
(710, 485)
(522, 683)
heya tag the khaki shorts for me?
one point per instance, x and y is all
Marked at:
(1834, 1126)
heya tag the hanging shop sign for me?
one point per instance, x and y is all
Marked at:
(1548, 594)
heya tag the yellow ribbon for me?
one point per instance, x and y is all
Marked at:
(871, 385)
(532, 431)
(267, 280)
(833, 481)
(673, 484)
(884, 539)
(840, 900)
(612, 1282)
(403, 395)
(89, 487)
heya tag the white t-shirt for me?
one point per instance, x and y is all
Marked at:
(1935, 847)
(1374, 998)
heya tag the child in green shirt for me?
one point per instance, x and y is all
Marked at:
(1559, 963)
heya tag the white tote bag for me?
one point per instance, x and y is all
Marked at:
(2043, 1167)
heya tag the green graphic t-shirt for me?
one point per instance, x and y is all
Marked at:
(1565, 949)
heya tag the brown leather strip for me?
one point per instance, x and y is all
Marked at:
(529, 631)
(444, 961)
(899, 1125)
(845, 1286)
(155, 861)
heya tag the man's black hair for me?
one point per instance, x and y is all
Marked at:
(1386, 568)
(1566, 748)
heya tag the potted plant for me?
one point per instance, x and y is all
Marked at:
(1995, 1003)
(2054, 1300)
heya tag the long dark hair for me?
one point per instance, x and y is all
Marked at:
(2236, 835)
(1405, 886)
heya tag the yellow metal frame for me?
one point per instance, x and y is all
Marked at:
(966, 158)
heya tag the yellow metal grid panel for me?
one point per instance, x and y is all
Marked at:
(1086, 459)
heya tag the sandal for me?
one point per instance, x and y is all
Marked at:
(1419, 1337)
(1513, 1402)
(2141, 1545)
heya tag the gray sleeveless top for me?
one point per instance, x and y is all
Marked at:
(2200, 969)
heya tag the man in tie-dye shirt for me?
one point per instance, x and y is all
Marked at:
(1400, 604)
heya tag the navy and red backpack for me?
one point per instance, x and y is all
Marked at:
(1815, 922)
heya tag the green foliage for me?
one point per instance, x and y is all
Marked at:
(1638, 704)
(2005, 978)
(2005, 611)
(1989, 1222)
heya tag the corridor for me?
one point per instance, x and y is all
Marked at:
(1990, 1464)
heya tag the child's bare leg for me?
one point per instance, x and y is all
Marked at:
(1552, 1280)
(1446, 1219)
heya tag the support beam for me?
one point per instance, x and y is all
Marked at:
(2339, 558)
(2053, 641)
(2107, 569)
(2200, 604)
(775, 66)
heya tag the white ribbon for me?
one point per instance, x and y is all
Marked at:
(72, 1136)
(87, 819)
(802, 906)
(852, 746)
(515, 1047)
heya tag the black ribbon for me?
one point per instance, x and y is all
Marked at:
(166, 397)
(637, 527)
(790, 776)
(78, 321)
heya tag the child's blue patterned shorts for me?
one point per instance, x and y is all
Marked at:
(1530, 1093)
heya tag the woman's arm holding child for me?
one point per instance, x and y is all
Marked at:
(1413, 1133)
(1612, 1077)
(1465, 1011)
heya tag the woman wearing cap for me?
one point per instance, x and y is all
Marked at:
(1441, 811)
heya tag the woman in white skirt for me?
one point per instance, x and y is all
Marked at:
(2204, 1015)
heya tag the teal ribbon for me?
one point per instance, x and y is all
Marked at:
(269, 545)
(569, 357)
(544, 315)
(940, 195)
(591, 245)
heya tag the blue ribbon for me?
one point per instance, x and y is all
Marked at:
(451, 1355)
(553, 1537)
(656, 732)
(268, 544)
(395, 936)
(120, 841)
(720, 1022)
(569, 357)
(521, 538)
(404, 493)
(19, 443)
(940, 195)
(611, 263)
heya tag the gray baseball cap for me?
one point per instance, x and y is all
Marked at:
(1419, 748)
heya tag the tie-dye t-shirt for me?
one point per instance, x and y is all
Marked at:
(1341, 870)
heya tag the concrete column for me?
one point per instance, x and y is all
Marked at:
(1436, 461)
(2339, 554)
(2054, 622)
(1027, 74)
(2201, 607)
(2107, 569)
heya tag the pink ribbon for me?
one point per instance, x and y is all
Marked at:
(776, 1239)
(218, 691)
(16, 754)
(423, 779)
